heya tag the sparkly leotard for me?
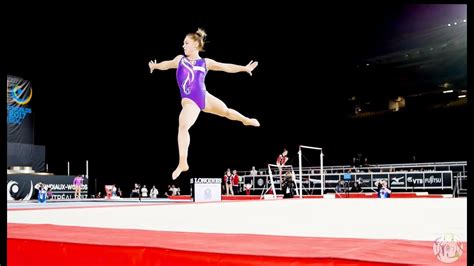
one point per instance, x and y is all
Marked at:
(190, 79)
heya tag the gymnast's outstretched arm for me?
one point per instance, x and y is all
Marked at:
(230, 68)
(165, 65)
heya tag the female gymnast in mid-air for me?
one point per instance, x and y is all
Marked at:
(190, 74)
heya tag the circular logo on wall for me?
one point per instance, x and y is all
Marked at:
(21, 95)
(207, 193)
(22, 191)
(448, 248)
(260, 182)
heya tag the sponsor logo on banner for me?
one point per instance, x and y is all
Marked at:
(15, 193)
(67, 196)
(415, 181)
(396, 181)
(433, 180)
(207, 180)
(24, 189)
(208, 194)
(207, 189)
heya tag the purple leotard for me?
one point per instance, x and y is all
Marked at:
(77, 181)
(191, 80)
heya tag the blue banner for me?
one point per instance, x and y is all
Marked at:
(19, 111)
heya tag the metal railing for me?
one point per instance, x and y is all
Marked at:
(458, 166)
(409, 176)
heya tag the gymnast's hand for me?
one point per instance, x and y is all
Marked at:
(151, 65)
(251, 66)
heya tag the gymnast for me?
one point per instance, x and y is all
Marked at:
(190, 74)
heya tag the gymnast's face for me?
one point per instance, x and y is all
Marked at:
(190, 46)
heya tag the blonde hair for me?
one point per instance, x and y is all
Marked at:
(200, 37)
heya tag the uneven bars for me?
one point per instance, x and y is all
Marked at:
(301, 168)
(309, 147)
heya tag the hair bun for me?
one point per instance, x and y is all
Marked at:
(201, 33)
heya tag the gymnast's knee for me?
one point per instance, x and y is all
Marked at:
(184, 127)
(226, 112)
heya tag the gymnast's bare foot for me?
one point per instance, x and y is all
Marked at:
(252, 122)
(181, 168)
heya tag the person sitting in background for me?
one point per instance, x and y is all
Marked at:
(288, 185)
(173, 191)
(356, 186)
(382, 189)
(366, 163)
(340, 186)
(41, 192)
(249, 180)
(253, 172)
